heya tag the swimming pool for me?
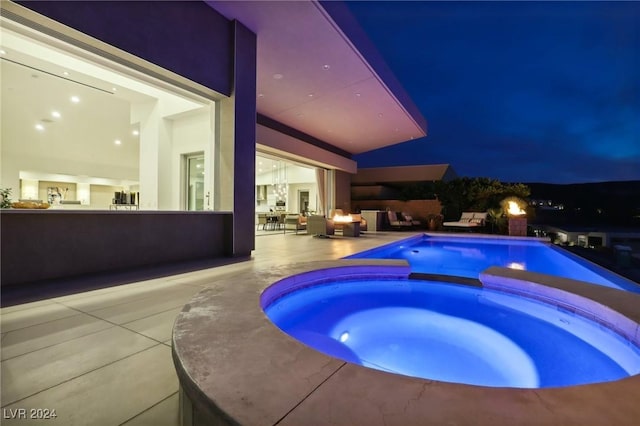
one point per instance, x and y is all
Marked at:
(469, 256)
(449, 332)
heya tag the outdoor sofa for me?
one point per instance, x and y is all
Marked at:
(469, 221)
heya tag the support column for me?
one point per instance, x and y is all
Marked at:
(244, 155)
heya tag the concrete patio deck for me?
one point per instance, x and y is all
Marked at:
(103, 357)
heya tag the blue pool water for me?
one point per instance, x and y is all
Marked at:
(453, 333)
(467, 257)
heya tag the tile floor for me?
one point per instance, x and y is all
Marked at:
(103, 357)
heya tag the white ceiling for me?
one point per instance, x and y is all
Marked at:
(39, 78)
(311, 78)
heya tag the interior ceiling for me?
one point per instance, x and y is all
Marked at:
(311, 78)
(265, 164)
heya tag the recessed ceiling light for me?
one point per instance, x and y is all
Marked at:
(326, 67)
(135, 133)
(261, 95)
(55, 114)
(3, 52)
(358, 94)
(379, 115)
(75, 99)
(118, 142)
(310, 95)
(278, 76)
(198, 166)
(114, 89)
(65, 72)
(39, 127)
(274, 166)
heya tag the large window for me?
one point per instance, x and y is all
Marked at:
(91, 129)
(283, 186)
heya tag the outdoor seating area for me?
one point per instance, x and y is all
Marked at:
(320, 226)
(401, 220)
(468, 221)
(295, 222)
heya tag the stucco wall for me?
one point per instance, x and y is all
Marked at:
(419, 209)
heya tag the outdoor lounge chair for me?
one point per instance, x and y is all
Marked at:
(408, 218)
(295, 222)
(469, 221)
(320, 226)
(395, 222)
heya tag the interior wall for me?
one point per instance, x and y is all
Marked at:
(191, 133)
(102, 195)
(68, 190)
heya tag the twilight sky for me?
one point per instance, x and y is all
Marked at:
(518, 91)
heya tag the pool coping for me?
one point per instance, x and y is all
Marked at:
(236, 367)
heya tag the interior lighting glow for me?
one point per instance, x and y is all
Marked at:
(135, 133)
(278, 76)
(516, 265)
(75, 99)
(55, 114)
(3, 52)
(326, 67)
(66, 73)
(118, 142)
(344, 337)
(39, 127)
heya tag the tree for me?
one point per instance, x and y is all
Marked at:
(475, 194)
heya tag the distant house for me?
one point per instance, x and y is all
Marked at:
(380, 183)
(381, 188)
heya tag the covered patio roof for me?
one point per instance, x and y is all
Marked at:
(318, 73)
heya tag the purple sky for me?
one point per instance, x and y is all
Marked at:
(518, 91)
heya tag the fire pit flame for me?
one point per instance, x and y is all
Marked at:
(515, 210)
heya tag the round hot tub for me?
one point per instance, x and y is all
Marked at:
(236, 367)
(450, 332)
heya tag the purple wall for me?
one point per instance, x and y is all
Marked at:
(186, 37)
(244, 204)
(195, 41)
(47, 244)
